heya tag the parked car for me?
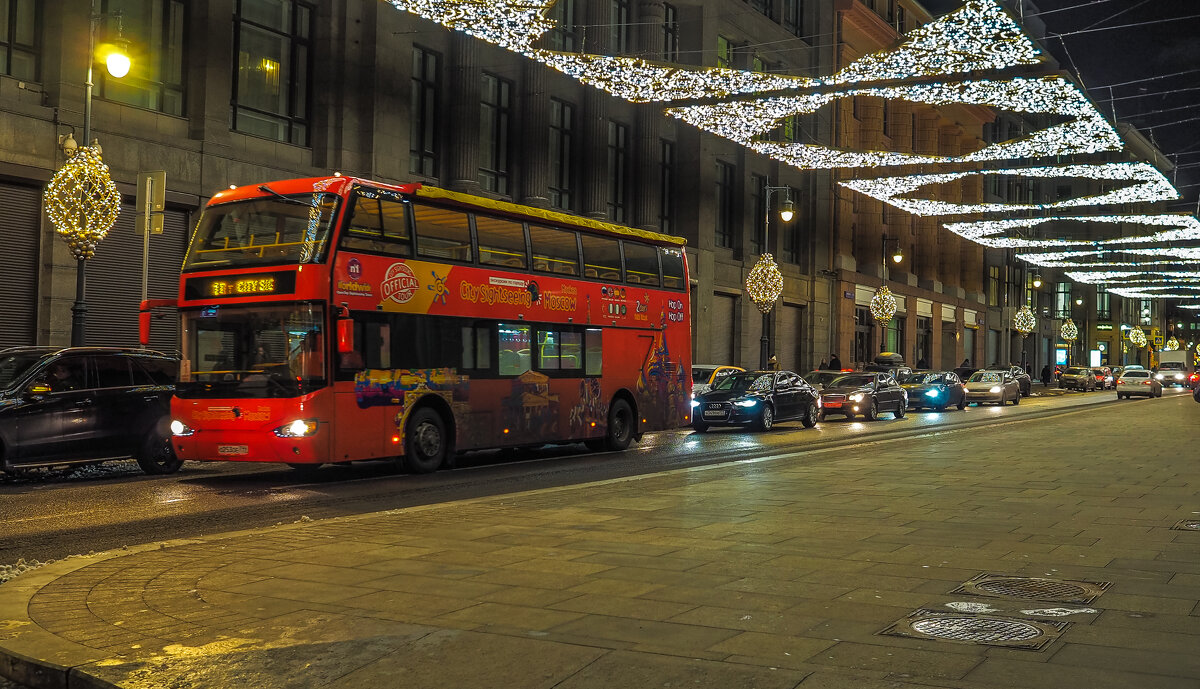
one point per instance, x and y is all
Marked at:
(758, 398)
(1024, 382)
(868, 393)
(821, 377)
(81, 405)
(705, 375)
(1138, 383)
(934, 390)
(995, 385)
(1081, 379)
(1193, 380)
(1104, 378)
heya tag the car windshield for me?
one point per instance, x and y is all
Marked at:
(1075, 371)
(1135, 374)
(822, 377)
(1171, 366)
(985, 377)
(267, 231)
(740, 382)
(701, 375)
(929, 378)
(252, 351)
(853, 381)
(903, 377)
(14, 366)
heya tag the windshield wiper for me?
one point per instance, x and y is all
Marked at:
(282, 197)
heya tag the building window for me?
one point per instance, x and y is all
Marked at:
(494, 117)
(724, 52)
(670, 33)
(666, 186)
(793, 16)
(273, 70)
(618, 171)
(423, 113)
(758, 192)
(20, 29)
(1031, 293)
(562, 124)
(565, 34)
(1062, 300)
(887, 118)
(155, 81)
(791, 230)
(1103, 306)
(993, 286)
(1145, 312)
(619, 26)
(763, 7)
(725, 205)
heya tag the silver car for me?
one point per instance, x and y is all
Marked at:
(1138, 383)
(993, 386)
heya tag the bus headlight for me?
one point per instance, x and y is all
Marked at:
(300, 428)
(180, 428)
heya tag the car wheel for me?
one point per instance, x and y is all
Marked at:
(962, 403)
(620, 426)
(425, 442)
(872, 411)
(700, 427)
(1017, 399)
(900, 410)
(810, 417)
(766, 419)
(157, 456)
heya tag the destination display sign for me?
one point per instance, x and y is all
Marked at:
(232, 286)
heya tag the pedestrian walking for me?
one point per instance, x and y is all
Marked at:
(824, 365)
(1047, 375)
(835, 364)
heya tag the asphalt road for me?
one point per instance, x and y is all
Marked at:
(56, 514)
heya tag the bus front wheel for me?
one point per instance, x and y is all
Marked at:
(620, 426)
(424, 441)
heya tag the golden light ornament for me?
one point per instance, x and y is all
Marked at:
(1137, 337)
(1069, 331)
(883, 306)
(1171, 344)
(82, 202)
(764, 284)
(1024, 321)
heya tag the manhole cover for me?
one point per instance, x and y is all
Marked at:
(987, 630)
(1033, 588)
(1187, 525)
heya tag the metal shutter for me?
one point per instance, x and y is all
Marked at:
(752, 336)
(19, 225)
(788, 337)
(722, 329)
(114, 282)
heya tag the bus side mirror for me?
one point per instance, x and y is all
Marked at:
(345, 335)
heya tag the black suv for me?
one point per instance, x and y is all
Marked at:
(80, 405)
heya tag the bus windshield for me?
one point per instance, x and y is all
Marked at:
(253, 351)
(267, 231)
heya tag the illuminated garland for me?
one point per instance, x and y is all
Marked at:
(764, 284)
(979, 36)
(883, 306)
(1024, 321)
(1158, 292)
(1137, 337)
(997, 233)
(1171, 344)
(1068, 331)
(82, 202)
(1130, 277)
(512, 24)
(1152, 186)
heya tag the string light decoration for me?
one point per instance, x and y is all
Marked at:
(1104, 260)
(82, 202)
(1150, 185)
(1069, 331)
(511, 24)
(1129, 277)
(998, 234)
(764, 284)
(978, 36)
(883, 306)
(1137, 337)
(1171, 344)
(1024, 321)
(1158, 292)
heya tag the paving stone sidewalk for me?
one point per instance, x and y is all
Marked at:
(767, 573)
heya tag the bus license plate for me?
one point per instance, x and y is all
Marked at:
(233, 450)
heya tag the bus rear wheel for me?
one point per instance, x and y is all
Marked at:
(620, 426)
(424, 441)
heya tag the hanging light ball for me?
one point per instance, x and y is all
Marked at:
(764, 284)
(1069, 331)
(82, 202)
(1171, 344)
(1024, 321)
(1137, 337)
(883, 306)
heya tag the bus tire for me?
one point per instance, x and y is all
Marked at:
(157, 457)
(620, 426)
(425, 441)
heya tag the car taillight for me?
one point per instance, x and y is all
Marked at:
(1145, 382)
(1120, 382)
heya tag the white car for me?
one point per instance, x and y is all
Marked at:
(993, 386)
(1138, 383)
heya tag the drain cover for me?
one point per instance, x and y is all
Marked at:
(987, 630)
(1033, 588)
(1187, 525)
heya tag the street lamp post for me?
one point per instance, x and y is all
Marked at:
(897, 256)
(81, 200)
(764, 284)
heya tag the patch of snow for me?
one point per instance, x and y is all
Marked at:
(963, 606)
(1057, 612)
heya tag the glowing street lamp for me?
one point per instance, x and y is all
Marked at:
(764, 283)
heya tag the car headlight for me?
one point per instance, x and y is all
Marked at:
(695, 404)
(746, 403)
(300, 428)
(857, 397)
(995, 389)
(180, 428)
(932, 393)
(1158, 376)
(1178, 376)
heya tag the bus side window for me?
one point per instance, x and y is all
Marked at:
(477, 347)
(672, 267)
(601, 258)
(594, 341)
(641, 264)
(554, 250)
(501, 242)
(514, 349)
(443, 233)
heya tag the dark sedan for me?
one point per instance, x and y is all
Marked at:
(757, 398)
(1024, 382)
(935, 390)
(868, 394)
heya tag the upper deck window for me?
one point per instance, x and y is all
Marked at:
(501, 242)
(379, 225)
(443, 233)
(601, 258)
(273, 230)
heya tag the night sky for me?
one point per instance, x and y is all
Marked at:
(1163, 104)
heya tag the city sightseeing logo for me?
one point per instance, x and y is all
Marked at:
(399, 283)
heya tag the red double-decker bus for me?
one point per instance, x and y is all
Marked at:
(338, 319)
